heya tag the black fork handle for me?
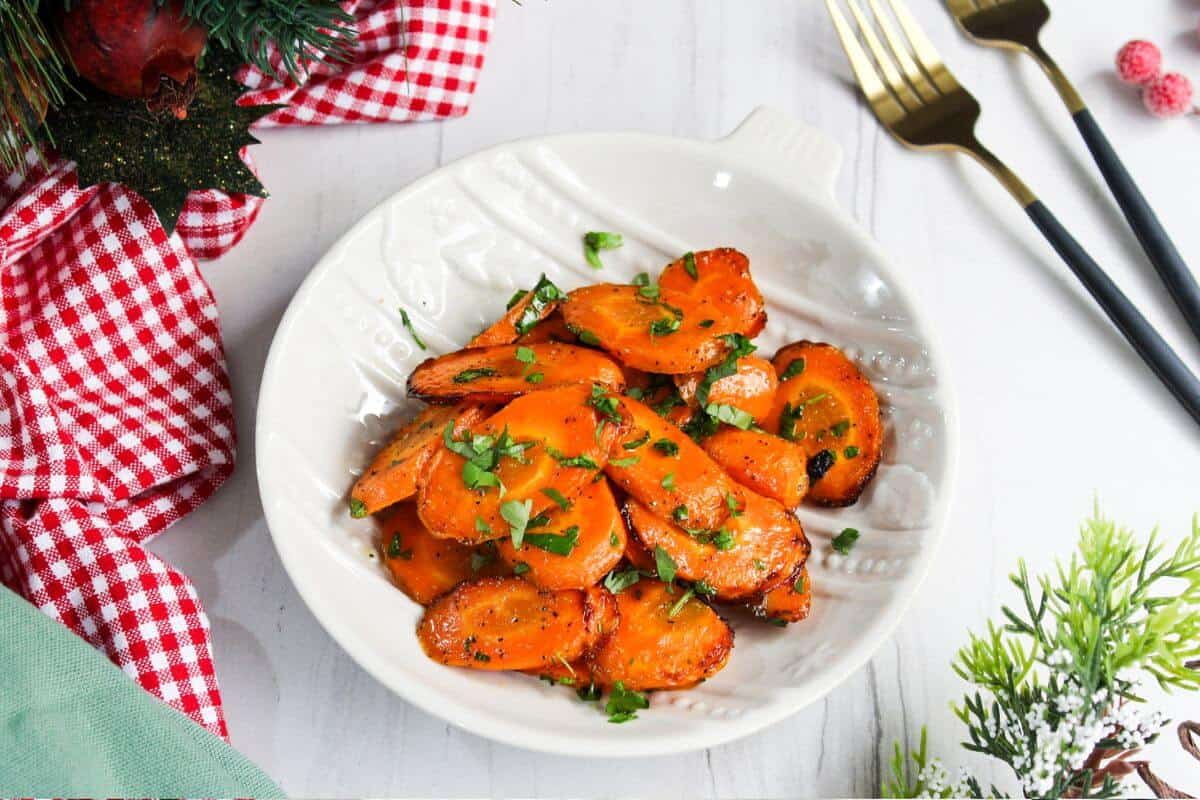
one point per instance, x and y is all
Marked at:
(1179, 280)
(1157, 354)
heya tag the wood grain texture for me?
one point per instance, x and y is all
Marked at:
(320, 726)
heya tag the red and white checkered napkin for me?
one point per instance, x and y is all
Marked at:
(115, 411)
(414, 60)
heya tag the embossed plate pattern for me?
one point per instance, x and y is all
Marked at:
(450, 249)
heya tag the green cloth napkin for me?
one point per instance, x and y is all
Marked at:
(73, 725)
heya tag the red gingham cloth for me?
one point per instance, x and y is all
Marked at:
(115, 411)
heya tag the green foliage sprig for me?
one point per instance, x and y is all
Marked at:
(1057, 684)
(301, 30)
(32, 79)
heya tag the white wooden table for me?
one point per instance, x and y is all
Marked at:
(1056, 410)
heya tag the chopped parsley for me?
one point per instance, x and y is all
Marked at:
(844, 541)
(704, 588)
(668, 481)
(617, 582)
(516, 514)
(623, 704)
(613, 540)
(664, 564)
(595, 241)
(666, 447)
(535, 377)
(816, 399)
(721, 538)
(680, 603)
(605, 404)
(480, 656)
(526, 355)
(358, 509)
(474, 374)
(646, 288)
(517, 296)
(798, 586)
(707, 323)
(739, 347)
(408, 326)
(664, 326)
(636, 443)
(787, 422)
(481, 525)
(585, 462)
(483, 453)
(628, 461)
(731, 502)
(680, 513)
(689, 265)
(559, 545)
(557, 497)
(394, 549)
(589, 693)
(840, 428)
(585, 336)
(795, 367)
(544, 294)
(730, 415)
(850, 452)
(760, 565)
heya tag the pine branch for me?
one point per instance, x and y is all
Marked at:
(32, 79)
(300, 30)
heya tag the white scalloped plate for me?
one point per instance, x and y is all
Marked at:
(451, 248)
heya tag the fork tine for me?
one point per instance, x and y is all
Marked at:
(879, 98)
(923, 49)
(915, 76)
(901, 89)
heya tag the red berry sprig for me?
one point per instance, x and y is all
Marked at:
(1165, 95)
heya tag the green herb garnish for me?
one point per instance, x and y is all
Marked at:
(850, 452)
(474, 374)
(558, 498)
(689, 265)
(559, 545)
(679, 513)
(664, 326)
(623, 704)
(730, 415)
(731, 502)
(526, 355)
(840, 428)
(664, 564)
(628, 461)
(617, 582)
(535, 377)
(544, 294)
(788, 419)
(358, 509)
(666, 447)
(668, 481)
(739, 347)
(408, 326)
(516, 514)
(595, 241)
(680, 603)
(795, 367)
(706, 323)
(844, 541)
(704, 588)
(636, 443)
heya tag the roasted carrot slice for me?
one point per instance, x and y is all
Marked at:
(750, 389)
(672, 333)
(790, 601)
(578, 544)
(660, 393)
(552, 329)
(750, 553)
(635, 552)
(392, 476)
(666, 640)
(424, 566)
(659, 465)
(525, 311)
(548, 441)
(721, 278)
(828, 407)
(497, 374)
(764, 462)
(508, 623)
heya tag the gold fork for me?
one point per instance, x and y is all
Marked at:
(1017, 25)
(918, 100)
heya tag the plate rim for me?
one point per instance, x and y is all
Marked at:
(876, 634)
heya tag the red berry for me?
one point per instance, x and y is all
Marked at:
(1139, 62)
(1169, 95)
(136, 49)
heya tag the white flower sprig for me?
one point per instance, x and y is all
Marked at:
(1059, 684)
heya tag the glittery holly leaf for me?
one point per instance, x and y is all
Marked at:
(158, 156)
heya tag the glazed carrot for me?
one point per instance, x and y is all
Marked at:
(508, 623)
(551, 329)
(672, 333)
(552, 440)
(750, 553)
(497, 374)
(635, 552)
(666, 640)
(659, 465)
(392, 476)
(576, 547)
(424, 566)
(721, 278)
(751, 388)
(660, 393)
(828, 407)
(764, 462)
(790, 601)
(524, 315)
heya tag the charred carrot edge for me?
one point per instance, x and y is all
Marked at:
(784, 602)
